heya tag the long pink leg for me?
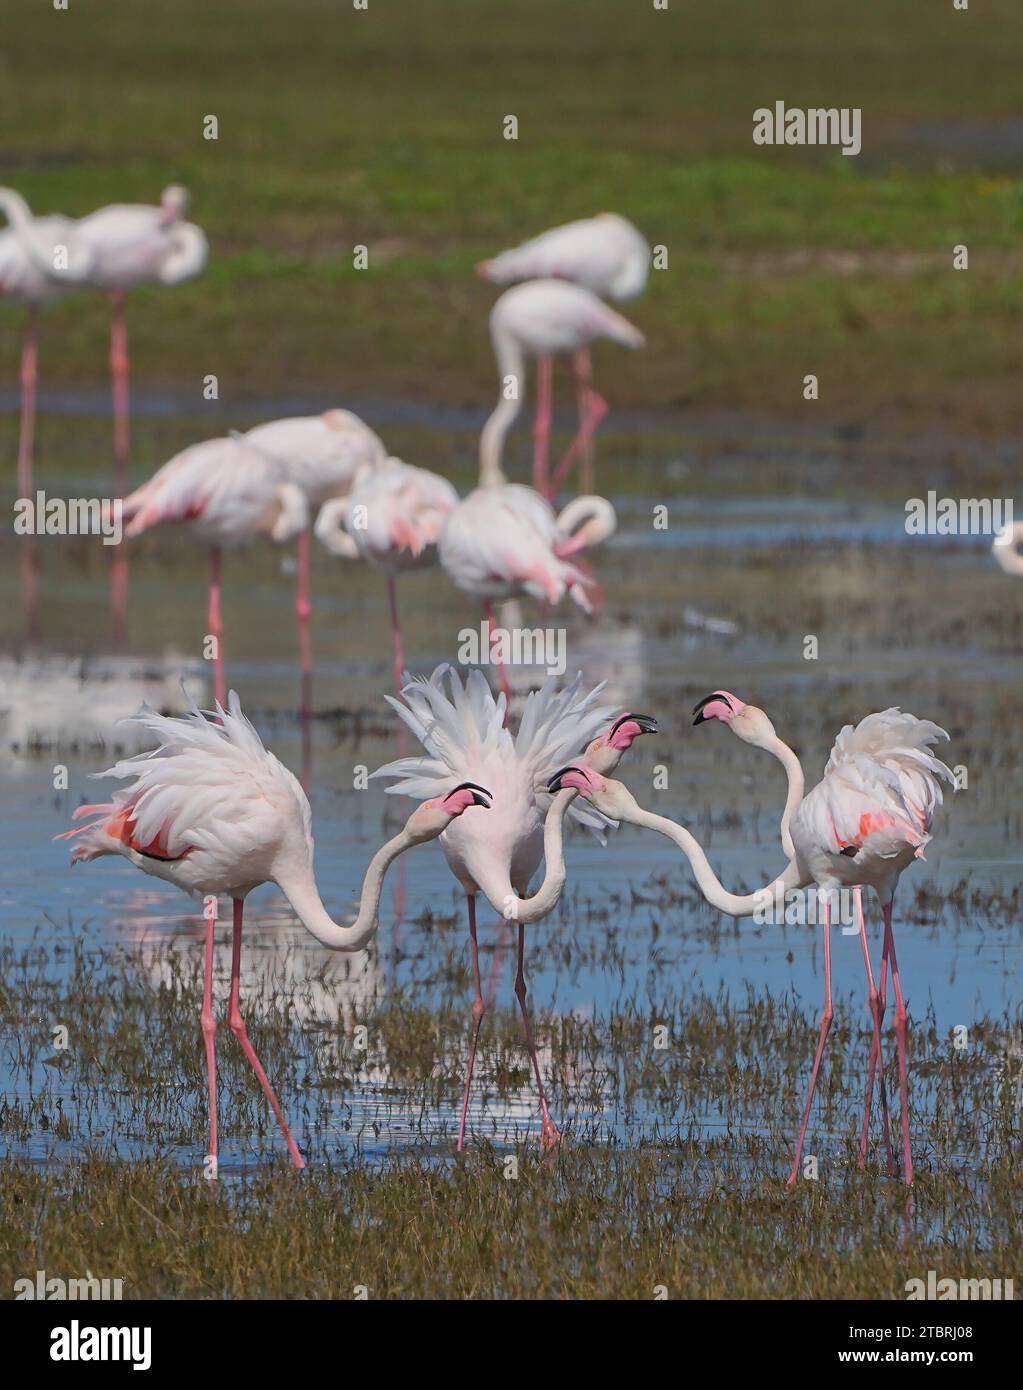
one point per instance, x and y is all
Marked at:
(119, 369)
(209, 1034)
(901, 1016)
(593, 409)
(502, 670)
(826, 1018)
(549, 1132)
(542, 428)
(303, 613)
(478, 1009)
(26, 448)
(237, 1025)
(399, 650)
(877, 1012)
(399, 657)
(216, 627)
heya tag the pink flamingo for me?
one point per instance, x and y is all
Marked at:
(39, 261)
(505, 540)
(462, 728)
(321, 454)
(214, 813)
(540, 319)
(132, 244)
(227, 494)
(393, 517)
(862, 825)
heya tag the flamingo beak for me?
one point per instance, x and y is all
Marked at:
(698, 715)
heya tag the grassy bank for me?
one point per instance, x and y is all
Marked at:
(383, 128)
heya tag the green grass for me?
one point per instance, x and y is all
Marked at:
(341, 127)
(694, 1201)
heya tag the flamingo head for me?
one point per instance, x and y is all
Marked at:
(609, 796)
(721, 705)
(604, 753)
(174, 202)
(747, 722)
(433, 817)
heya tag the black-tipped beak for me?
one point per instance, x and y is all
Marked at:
(480, 795)
(554, 785)
(647, 724)
(698, 715)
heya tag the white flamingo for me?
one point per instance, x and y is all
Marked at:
(542, 319)
(863, 824)
(40, 260)
(1006, 548)
(213, 812)
(393, 518)
(226, 494)
(321, 454)
(605, 254)
(505, 540)
(462, 728)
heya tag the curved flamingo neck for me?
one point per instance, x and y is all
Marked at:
(737, 905)
(495, 880)
(299, 887)
(510, 363)
(796, 786)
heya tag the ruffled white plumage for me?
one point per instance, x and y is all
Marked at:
(880, 789)
(217, 804)
(504, 540)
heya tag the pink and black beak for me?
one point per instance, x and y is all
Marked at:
(715, 706)
(480, 795)
(579, 773)
(628, 727)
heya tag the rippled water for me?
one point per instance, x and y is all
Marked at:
(934, 627)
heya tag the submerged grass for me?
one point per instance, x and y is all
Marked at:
(671, 1173)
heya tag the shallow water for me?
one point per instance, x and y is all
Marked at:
(932, 626)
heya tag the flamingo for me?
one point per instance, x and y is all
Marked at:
(605, 254)
(462, 728)
(393, 517)
(321, 454)
(212, 811)
(751, 725)
(1006, 548)
(505, 540)
(863, 824)
(40, 260)
(540, 319)
(227, 494)
(132, 244)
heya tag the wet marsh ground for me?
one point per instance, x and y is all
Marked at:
(785, 519)
(673, 1167)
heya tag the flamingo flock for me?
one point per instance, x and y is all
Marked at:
(212, 811)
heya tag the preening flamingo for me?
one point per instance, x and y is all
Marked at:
(227, 494)
(212, 811)
(462, 727)
(39, 261)
(542, 319)
(1006, 548)
(393, 517)
(605, 254)
(505, 540)
(863, 824)
(321, 454)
